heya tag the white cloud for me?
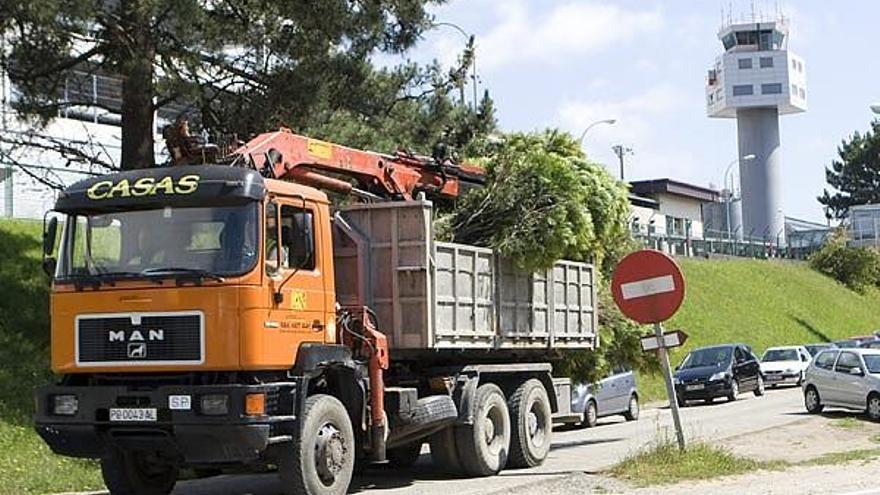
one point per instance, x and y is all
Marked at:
(567, 30)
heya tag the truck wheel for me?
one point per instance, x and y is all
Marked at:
(430, 414)
(138, 473)
(405, 456)
(321, 460)
(483, 445)
(444, 452)
(532, 426)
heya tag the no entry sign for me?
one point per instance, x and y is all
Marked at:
(648, 286)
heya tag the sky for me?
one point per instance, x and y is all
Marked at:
(566, 64)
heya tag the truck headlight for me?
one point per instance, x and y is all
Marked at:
(65, 405)
(214, 404)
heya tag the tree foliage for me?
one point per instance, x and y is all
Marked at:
(241, 66)
(543, 201)
(855, 174)
(856, 267)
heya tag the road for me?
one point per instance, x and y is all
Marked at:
(587, 450)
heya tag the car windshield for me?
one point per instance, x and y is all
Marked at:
(712, 356)
(780, 355)
(872, 362)
(138, 243)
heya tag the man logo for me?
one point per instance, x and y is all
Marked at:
(137, 350)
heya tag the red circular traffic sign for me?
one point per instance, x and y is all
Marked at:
(648, 286)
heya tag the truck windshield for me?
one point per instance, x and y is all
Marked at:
(202, 241)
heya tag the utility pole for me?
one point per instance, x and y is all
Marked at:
(621, 150)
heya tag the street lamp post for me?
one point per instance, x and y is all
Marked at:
(470, 38)
(604, 121)
(729, 199)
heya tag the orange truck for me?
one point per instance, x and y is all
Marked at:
(227, 317)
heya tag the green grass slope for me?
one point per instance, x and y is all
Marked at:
(764, 303)
(26, 464)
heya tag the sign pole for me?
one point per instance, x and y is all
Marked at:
(670, 388)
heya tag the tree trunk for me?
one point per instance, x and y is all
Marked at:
(137, 89)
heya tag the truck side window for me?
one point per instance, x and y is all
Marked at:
(297, 238)
(271, 238)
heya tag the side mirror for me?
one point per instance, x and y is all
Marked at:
(856, 371)
(49, 233)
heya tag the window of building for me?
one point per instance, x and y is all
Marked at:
(800, 66)
(794, 90)
(766, 62)
(745, 63)
(802, 93)
(793, 64)
(771, 89)
(743, 89)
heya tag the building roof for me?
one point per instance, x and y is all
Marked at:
(674, 187)
(644, 202)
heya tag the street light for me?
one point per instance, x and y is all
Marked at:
(729, 200)
(470, 39)
(584, 134)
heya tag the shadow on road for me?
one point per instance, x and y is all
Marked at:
(581, 443)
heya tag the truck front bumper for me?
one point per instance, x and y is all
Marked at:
(190, 434)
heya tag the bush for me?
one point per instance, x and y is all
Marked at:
(856, 267)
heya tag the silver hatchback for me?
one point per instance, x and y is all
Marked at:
(847, 378)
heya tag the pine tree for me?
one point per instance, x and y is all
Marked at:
(855, 175)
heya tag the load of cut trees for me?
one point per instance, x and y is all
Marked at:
(543, 201)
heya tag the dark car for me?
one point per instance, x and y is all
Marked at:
(871, 344)
(853, 342)
(718, 371)
(814, 349)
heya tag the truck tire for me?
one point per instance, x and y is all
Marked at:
(444, 452)
(406, 456)
(430, 414)
(138, 473)
(484, 445)
(532, 425)
(321, 460)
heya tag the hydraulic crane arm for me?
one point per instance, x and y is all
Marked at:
(284, 155)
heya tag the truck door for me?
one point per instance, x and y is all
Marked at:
(293, 264)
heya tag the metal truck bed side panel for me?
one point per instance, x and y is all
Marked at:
(440, 295)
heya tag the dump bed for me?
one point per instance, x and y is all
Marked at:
(437, 295)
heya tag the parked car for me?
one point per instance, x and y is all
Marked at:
(873, 344)
(854, 341)
(615, 394)
(785, 365)
(814, 349)
(847, 378)
(718, 371)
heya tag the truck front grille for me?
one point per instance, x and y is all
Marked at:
(140, 339)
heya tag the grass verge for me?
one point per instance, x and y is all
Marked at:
(27, 466)
(665, 463)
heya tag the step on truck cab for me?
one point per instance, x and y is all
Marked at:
(213, 317)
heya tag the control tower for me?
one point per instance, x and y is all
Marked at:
(756, 80)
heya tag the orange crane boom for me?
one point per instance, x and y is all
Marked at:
(284, 155)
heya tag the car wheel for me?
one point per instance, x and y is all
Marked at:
(734, 390)
(812, 401)
(591, 414)
(759, 388)
(632, 413)
(873, 409)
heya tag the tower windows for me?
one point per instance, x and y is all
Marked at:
(743, 89)
(766, 62)
(771, 89)
(745, 63)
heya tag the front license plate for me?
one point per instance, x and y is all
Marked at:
(698, 386)
(133, 414)
(774, 377)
